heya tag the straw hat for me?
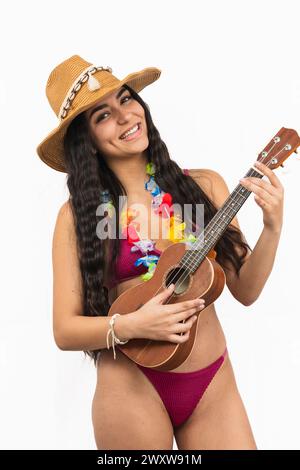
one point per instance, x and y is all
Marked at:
(74, 86)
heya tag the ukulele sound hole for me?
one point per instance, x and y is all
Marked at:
(180, 277)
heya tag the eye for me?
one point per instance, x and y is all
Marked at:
(100, 117)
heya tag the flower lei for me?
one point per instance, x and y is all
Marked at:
(162, 205)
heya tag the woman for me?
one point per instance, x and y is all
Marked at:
(135, 407)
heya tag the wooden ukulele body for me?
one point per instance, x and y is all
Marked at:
(207, 282)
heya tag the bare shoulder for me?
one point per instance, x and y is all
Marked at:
(64, 231)
(212, 183)
(216, 188)
(64, 244)
(65, 208)
(202, 173)
(65, 214)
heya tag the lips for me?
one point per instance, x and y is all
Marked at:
(136, 124)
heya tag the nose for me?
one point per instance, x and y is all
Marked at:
(123, 116)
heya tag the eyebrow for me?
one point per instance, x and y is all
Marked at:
(104, 105)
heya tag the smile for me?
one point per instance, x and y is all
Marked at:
(133, 133)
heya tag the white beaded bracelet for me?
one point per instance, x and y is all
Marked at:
(115, 339)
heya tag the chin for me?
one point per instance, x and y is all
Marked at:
(138, 146)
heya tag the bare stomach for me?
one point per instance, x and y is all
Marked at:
(210, 341)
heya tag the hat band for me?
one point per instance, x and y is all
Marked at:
(76, 85)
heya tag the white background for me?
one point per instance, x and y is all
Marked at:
(230, 80)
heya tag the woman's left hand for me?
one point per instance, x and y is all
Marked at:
(268, 195)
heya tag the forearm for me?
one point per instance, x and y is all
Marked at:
(83, 333)
(256, 270)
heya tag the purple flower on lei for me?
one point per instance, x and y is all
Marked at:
(143, 245)
(156, 201)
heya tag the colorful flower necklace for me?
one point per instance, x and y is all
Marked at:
(161, 204)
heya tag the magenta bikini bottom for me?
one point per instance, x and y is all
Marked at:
(182, 391)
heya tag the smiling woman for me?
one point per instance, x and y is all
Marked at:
(88, 144)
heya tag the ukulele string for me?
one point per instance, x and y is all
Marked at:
(239, 198)
(190, 257)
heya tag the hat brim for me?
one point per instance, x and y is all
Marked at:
(51, 149)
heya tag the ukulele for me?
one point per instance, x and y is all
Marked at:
(195, 272)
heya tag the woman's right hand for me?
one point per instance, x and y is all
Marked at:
(160, 322)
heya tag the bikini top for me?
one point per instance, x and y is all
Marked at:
(124, 267)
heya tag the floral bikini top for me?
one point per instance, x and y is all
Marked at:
(139, 257)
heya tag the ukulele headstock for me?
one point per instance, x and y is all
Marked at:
(280, 147)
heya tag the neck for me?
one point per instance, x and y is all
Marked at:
(131, 172)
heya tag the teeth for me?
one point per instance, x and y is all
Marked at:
(131, 131)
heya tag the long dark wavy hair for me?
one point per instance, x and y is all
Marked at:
(88, 176)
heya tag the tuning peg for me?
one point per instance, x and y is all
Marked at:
(296, 158)
(285, 170)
